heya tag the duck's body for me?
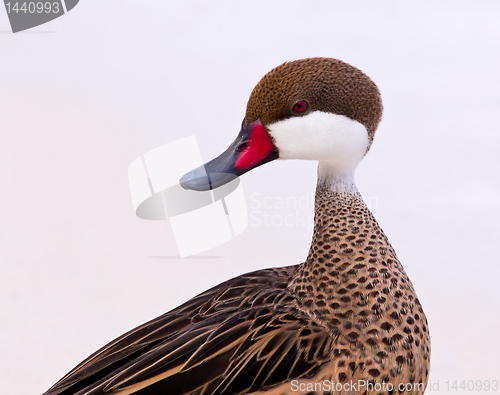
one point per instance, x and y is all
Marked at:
(346, 321)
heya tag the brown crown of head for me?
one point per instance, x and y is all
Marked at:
(326, 84)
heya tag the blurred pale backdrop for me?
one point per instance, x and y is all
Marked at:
(84, 95)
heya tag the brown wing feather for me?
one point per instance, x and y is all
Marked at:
(239, 336)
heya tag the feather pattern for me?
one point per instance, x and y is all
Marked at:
(246, 330)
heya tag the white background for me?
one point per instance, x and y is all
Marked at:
(84, 95)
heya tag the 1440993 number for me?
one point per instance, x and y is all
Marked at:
(32, 7)
(471, 385)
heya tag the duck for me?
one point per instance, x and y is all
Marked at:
(347, 320)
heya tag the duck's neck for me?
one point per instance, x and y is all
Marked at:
(337, 179)
(347, 254)
(345, 231)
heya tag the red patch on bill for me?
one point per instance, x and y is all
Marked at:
(259, 147)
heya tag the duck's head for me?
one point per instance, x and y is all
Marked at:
(319, 109)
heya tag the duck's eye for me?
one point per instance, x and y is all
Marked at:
(300, 106)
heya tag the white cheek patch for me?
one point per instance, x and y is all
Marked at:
(335, 139)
